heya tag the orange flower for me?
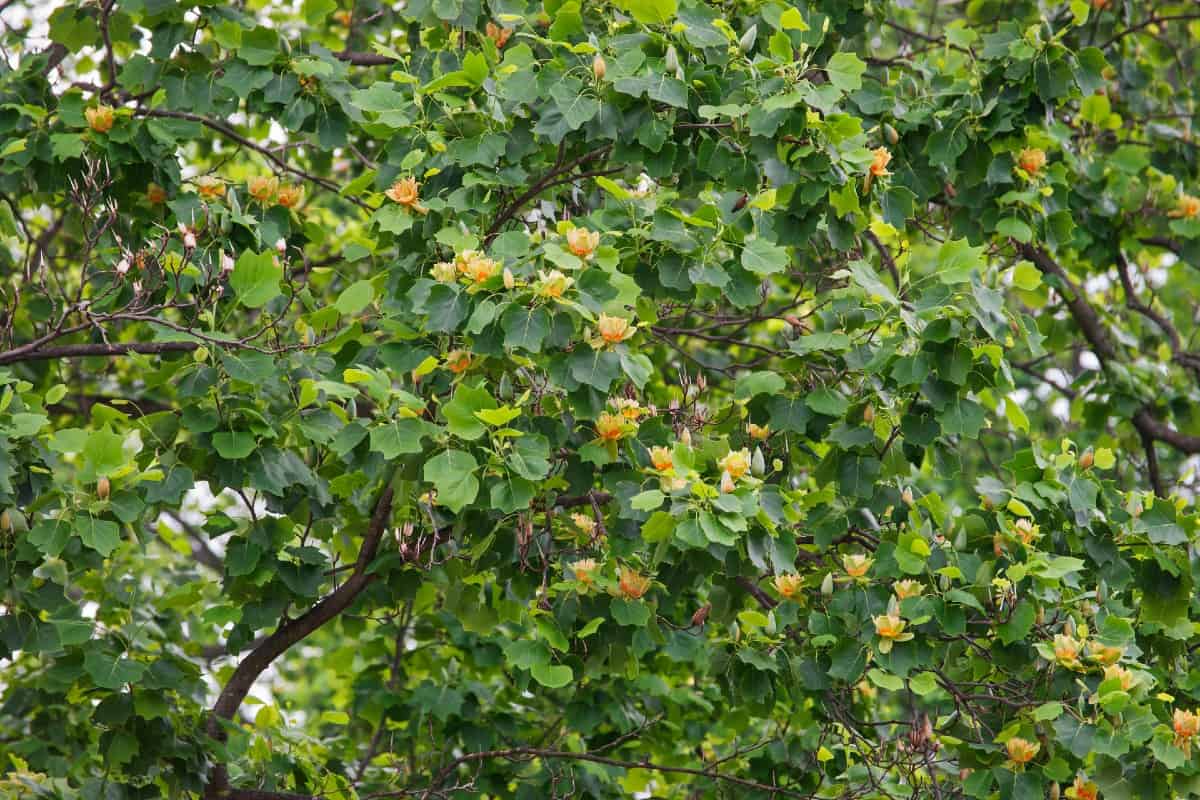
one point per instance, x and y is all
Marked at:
(661, 458)
(1186, 207)
(552, 284)
(1105, 655)
(614, 330)
(1066, 651)
(1021, 751)
(882, 156)
(498, 35)
(735, 463)
(99, 119)
(583, 242)
(262, 187)
(480, 268)
(788, 585)
(1083, 789)
(907, 588)
(629, 408)
(1124, 676)
(458, 361)
(1031, 159)
(1027, 531)
(856, 564)
(583, 570)
(290, 195)
(210, 188)
(633, 584)
(890, 629)
(610, 427)
(584, 522)
(155, 194)
(1186, 725)
(406, 192)
(759, 432)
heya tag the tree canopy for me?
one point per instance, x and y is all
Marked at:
(547, 398)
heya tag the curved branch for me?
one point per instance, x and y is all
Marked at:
(87, 350)
(288, 634)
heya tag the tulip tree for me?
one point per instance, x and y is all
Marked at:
(657, 398)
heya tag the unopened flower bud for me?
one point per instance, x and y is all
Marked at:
(189, 240)
(827, 585)
(672, 59)
(226, 263)
(907, 496)
(1087, 459)
(758, 463)
(599, 67)
(122, 266)
(103, 487)
(281, 246)
(509, 280)
(746, 43)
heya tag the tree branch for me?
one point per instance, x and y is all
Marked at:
(20, 354)
(551, 178)
(288, 634)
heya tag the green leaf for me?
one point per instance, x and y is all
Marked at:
(355, 298)
(255, 279)
(845, 71)
(756, 383)
(650, 12)
(957, 259)
(112, 672)
(101, 535)
(552, 676)
(234, 445)
(452, 473)
(763, 258)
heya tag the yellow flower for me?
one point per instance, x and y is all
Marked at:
(661, 458)
(882, 156)
(406, 192)
(1031, 159)
(210, 188)
(907, 588)
(1021, 751)
(480, 268)
(583, 242)
(727, 484)
(1027, 531)
(890, 629)
(1124, 676)
(552, 284)
(788, 585)
(633, 584)
(629, 408)
(735, 463)
(498, 35)
(759, 432)
(1186, 206)
(614, 330)
(1186, 725)
(444, 272)
(583, 570)
(155, 194)
(263, 187)
(1105, 654)
(290, 195)
(99, 119)
(1066, 651)
(856, 564)
(584, 522)
(610, 427)
(458, 361)
(1083, 789)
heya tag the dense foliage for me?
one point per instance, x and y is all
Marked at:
(659, 398)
